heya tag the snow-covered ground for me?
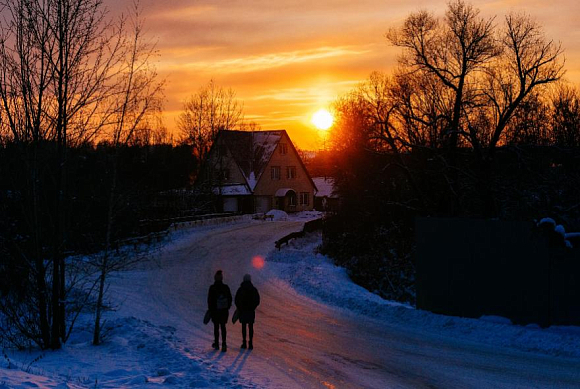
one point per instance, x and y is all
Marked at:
(314, 328)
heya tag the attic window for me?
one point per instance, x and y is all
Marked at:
(222, 150)
(283, 148)
(291, 172)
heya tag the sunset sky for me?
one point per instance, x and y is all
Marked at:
(288, 58)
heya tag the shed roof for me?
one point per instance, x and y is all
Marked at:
(325, 186)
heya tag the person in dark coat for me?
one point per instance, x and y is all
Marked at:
(247, 300)
(219, 301)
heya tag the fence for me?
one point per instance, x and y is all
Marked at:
(209, 222)
(309, 226)
(471, 268)
(156, 225)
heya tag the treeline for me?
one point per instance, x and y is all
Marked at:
(476, 121)
(152, 183)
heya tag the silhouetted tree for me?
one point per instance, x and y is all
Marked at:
(528, 60)
(138, 100)
(565, 103)
(452, 50)
(210, 109)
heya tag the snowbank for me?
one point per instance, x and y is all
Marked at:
(137, 354)
(315, 276)
(277, 214)
(306, 215)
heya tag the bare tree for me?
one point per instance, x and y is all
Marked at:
(452, 51)
(530, 124)
(528, 60)
(211, 109)
(137, 102)
(60, 60)
(565, 107)
(25, 80)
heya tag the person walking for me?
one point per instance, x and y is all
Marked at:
(219, 301)
(247, 300)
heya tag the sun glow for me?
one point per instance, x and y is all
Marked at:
(322, 119)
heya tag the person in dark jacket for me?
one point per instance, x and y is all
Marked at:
(247, 300)
(219, 301)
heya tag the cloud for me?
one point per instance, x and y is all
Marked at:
(186, 12)
(319, 92)
(274, 60)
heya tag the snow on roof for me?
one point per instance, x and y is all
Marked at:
(232, 190)
(547, 220)
(252, 150)
(325, 187)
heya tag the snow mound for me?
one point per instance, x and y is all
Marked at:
(306, 215)
(163, 372)
(547, 221)
(560, 230)
(496, 319)
(278, 214)
(298, 266)
(145, 355)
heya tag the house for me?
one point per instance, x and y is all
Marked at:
(253, 172)
(326, 198)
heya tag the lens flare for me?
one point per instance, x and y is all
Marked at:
(258, 262)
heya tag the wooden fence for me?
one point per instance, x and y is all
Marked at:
(471, 268)
(309, 226)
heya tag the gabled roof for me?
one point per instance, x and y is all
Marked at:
(252, 151)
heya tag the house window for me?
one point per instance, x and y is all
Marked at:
(291, 172)
(275, 172)
(283, 148)
(304, 198)
(223, 175)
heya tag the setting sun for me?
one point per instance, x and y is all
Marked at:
(322, 119)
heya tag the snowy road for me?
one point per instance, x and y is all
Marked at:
(300, 343)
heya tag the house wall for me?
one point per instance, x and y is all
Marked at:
(301, 183)
(263, 203)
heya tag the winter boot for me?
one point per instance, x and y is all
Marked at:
(243, 345)
(251, 345)
(215, 345)
(224, 348)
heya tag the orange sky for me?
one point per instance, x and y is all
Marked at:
(288, 58)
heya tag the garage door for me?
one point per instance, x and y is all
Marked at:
(262, 204)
